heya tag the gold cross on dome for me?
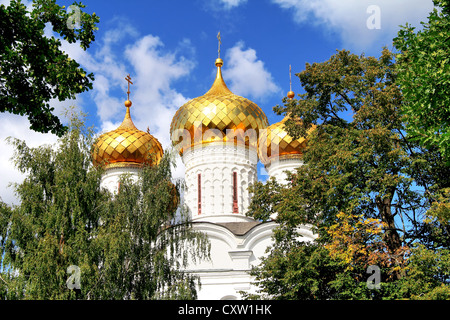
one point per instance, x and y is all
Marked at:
(220, 42)
(128, 78)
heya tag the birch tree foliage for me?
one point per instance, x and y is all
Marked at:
(132, 245)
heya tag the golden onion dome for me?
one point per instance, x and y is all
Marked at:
(275, 142)
(217, 116)
(127, 146)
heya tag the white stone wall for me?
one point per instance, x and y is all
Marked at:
(216, 163)
(232, 257)
(111, 177)
(277, 168)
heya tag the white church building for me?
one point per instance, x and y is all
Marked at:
(220, 137)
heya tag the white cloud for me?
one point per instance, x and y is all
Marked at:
(155, 101)
(246, 75)
(229, 4)
(222, 6)
(105, 59)
(16, 127)
(27, 3)
(348, 18)
(153, 70)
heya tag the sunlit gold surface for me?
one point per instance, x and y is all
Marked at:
(275, 142)
(127, 146)
(290, 94)
(218, 109)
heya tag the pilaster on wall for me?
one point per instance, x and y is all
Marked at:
(217, 163)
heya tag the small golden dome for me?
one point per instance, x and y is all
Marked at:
(127, 146)
(217, 109)
(275, 142)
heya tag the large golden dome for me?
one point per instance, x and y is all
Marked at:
(127, 146)
(215, 114)
(275, 142)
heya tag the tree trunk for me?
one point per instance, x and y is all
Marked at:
(391, 236)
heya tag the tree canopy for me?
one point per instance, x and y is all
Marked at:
(424, 77)
(33, 67)
(131, 245)
(365, 188)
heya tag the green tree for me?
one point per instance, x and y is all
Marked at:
(359, 162)
(128, 246)
(33, 67)
(424, 77)
(427, 274)
(361, 166)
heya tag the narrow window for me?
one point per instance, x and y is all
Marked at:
(199, 180)
(235, 195)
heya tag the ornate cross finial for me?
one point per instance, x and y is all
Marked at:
(128, 78)
(220, 42)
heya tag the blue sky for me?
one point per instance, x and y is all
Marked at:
(169, 48)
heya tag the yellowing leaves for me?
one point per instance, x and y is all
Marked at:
(440, 208)
(358, 243)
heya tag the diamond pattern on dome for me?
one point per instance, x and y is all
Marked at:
(218, 109)
(276, 142)
(126, 146)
